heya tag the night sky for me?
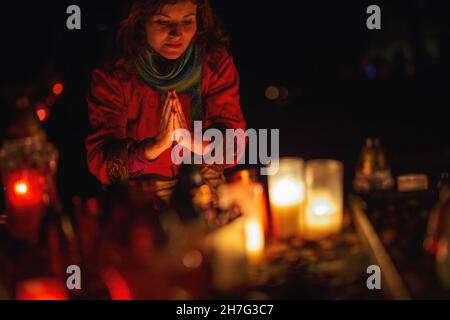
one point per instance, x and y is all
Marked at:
(344, 82)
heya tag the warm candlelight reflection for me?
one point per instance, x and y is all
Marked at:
(287, 192)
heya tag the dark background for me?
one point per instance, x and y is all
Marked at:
(344, 82)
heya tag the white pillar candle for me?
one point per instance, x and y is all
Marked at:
(324, 202)
(287, 194)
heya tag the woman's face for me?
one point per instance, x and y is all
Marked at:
(171, 30)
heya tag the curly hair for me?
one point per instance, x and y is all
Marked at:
(132, 39)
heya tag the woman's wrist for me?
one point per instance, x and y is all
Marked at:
(153, 149)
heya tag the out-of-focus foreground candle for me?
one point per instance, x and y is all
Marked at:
(41, 289)
(240, 243)
(324, 200)
(28, 164)
(251, 176)
(248, 196)
(254, 241)
(226, 247)
(26, 201)
(286, 194)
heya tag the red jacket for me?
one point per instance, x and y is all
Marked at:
(124, 111)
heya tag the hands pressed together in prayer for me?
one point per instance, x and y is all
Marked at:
(172, 119)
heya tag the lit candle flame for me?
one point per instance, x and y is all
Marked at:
(287, 192)
(21, 188)
(255, 238)
(321, 207)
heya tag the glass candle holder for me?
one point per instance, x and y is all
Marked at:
(287, 194)
(28, 163)
(324, 199)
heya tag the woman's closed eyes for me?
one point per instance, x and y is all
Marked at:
(169, 23)
(163, 22)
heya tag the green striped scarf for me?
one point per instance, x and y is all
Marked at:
(183, 77)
